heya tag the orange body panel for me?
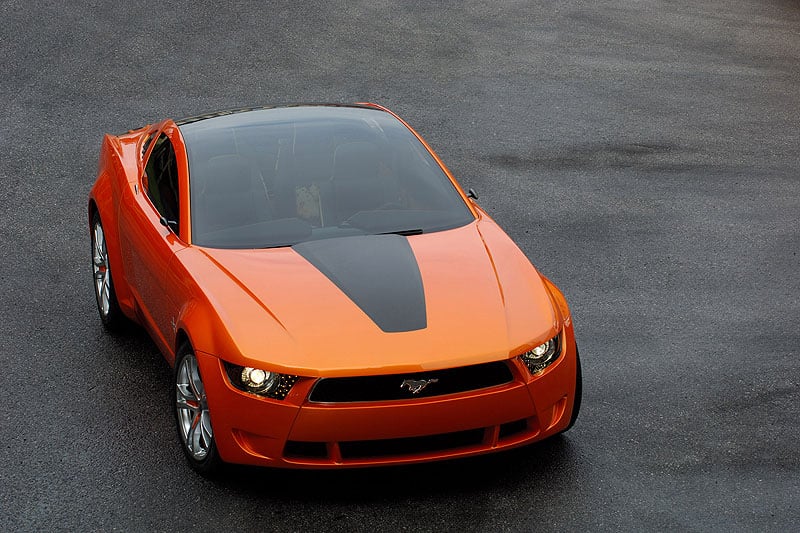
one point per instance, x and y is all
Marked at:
(273, 309)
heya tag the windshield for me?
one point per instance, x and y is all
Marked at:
(277, 177)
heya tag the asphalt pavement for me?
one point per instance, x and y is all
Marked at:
(644, 155)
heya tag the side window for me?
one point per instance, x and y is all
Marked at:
(146, 144)
(161, 184)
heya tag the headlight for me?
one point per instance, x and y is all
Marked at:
(540, 357)
(260, 381)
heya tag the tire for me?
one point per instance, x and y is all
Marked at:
(105, 295)
(576, 406)
(192, 417)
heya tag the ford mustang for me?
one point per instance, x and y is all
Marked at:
(326, 292)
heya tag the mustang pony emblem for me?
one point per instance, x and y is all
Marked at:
(416, 385)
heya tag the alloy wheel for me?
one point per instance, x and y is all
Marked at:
(102, 272)
(194, 420)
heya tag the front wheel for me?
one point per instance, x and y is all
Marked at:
(192, 415)
(576, 405)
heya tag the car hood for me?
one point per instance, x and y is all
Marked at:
(379, 303)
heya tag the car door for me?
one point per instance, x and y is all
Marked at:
(151, 220)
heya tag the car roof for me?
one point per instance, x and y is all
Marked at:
(245, 110)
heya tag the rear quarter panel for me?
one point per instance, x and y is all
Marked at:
(117, 170)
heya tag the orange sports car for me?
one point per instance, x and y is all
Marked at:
(326, 292)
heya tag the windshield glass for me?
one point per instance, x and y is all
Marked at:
(277, 177)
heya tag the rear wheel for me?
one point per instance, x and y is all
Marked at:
(192, 415)
(107, 304)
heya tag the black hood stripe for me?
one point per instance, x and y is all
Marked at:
(379, 273)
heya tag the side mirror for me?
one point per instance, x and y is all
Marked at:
(472, 194)
(169, 224)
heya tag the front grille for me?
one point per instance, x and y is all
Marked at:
(391, 387)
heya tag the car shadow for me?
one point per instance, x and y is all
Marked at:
(547, 461)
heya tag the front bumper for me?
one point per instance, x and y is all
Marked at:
(295, 433)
